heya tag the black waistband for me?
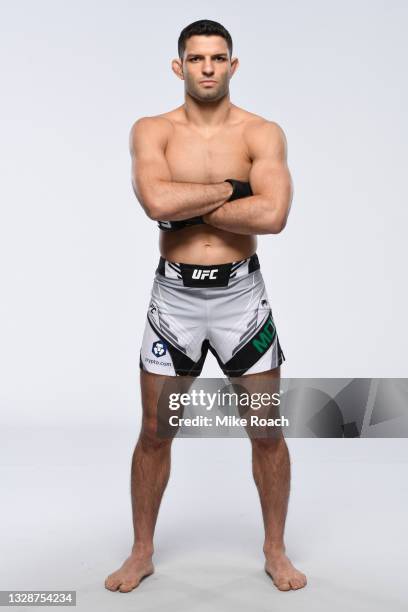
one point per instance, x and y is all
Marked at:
(214, 275)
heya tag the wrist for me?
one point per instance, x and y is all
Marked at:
(214, 215)
(240, 189)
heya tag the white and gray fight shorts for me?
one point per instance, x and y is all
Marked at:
(224, 308)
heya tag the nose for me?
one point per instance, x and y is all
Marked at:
(208, 69)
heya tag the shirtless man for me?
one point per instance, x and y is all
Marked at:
(208, 291)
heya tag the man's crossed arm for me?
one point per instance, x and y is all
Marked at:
(162, 198)
(265, 212)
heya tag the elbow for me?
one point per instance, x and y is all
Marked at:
(149, 198)
(280, 226)
(280, 217)
(151, 205)
(276, 224)
(153, 212)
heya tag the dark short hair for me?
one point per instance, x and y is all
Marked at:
(203, 27)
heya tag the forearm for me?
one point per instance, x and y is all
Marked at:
(175, 201)
(252, 215)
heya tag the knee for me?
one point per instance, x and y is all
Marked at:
(150, 438)
(268, 445)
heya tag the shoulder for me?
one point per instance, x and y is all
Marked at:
(152, 129)
(263, 137)
(260, 133)
(259, 128)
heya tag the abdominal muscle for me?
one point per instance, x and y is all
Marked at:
(205, 245)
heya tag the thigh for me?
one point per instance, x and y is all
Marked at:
(174, 340)
(243, 333)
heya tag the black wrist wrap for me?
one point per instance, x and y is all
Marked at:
(240, 189)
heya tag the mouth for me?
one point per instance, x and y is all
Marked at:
(208, 82)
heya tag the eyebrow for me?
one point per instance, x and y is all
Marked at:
(200, 55)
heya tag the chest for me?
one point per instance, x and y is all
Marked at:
(207, 157)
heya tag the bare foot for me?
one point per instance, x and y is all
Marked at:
(130, 574)
(284, 575)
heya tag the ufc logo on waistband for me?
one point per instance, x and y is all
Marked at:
(202, 274)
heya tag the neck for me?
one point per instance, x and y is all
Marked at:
(207, 114)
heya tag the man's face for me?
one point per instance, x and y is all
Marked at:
(206, 68)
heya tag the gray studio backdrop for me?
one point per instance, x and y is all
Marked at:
(77, 258)
(77, 252)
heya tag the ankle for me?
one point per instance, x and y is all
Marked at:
(142, 550)
(274, 550)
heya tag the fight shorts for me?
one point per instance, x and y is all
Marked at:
(224, 308)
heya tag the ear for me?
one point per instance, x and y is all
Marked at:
(234, 65)
(177, 67)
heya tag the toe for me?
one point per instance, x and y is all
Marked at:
(126, 587)
(283, 586)
(303, 580)
(295, 584)
(111, 584)
(298, 582)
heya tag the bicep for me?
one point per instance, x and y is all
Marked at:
(148, 140)
(269, 174)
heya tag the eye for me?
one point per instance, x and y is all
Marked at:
(221, 59)
(193, 59)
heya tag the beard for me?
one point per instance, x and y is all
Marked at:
(202, 94)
